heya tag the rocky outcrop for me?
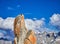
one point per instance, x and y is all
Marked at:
(19, 24)
(30, 38)
(19, 29)
(22, 36)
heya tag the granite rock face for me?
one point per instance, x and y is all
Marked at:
(30, 38)
(22, 36)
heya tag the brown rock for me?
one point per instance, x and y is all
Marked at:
(19, 29)
(22, 36)
(18, 24)
(30, 38)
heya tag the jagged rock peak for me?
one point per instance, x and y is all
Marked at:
(21, 33)
(20, 15)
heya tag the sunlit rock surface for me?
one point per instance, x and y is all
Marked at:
(19, 29)
(21, 33)
(30, 38)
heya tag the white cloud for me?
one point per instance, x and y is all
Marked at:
(7, 23)
(34, 24)
(30, 24)
(55, 19)
(1, 21)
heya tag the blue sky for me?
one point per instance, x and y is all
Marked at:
(47, 13)
(30, 8)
